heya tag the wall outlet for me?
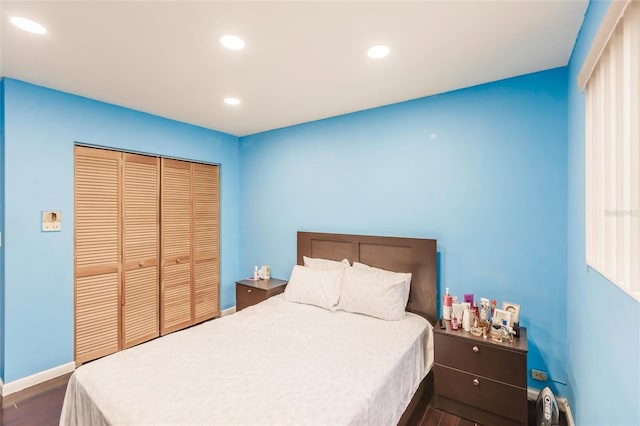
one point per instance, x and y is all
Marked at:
(539, 375)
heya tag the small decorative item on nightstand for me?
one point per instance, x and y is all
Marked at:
(265, 272)
(496, 334)
(485, 309)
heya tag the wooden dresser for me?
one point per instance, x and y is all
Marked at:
(479, 379)
(249, 292)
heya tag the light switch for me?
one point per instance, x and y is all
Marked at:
(51, 220)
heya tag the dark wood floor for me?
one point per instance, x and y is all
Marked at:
(41, 406)
(434, 417)
(38, 406)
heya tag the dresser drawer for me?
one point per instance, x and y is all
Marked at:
(499, 363)
(249, 296)
(478, 391)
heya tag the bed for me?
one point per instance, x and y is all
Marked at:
(278, 362)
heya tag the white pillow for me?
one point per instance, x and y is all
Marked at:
(373, 293)
(317, 263)
(319, 287)
(406, 276)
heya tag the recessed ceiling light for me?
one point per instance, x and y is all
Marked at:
(232, 101)
(232, 42)
(28, 25)
(377, 52)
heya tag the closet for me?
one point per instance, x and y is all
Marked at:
(146, 248)
(189, 243)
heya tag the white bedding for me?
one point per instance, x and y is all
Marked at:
(274, 363)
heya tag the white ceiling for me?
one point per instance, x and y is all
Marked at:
(304, 60)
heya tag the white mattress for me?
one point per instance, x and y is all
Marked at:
(274, 363)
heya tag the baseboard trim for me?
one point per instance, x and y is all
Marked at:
(228, 311)
(1, 386)
(35, 379)
(563, 404)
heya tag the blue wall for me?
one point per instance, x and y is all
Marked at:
(40, 130)
(603, 337)
(483, 170)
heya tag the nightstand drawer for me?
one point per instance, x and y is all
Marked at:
(478, 391)
(486, 360)
(249, 296)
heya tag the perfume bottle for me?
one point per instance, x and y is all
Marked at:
(447, 302)
(454, 323)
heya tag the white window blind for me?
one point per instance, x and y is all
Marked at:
(612, 154)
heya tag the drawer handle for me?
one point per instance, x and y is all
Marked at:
(141, 264)
(476, 349)
(476, 382)
(249, 291)
(177, 260)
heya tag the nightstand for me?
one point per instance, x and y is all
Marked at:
(249, 292)
(479, 379)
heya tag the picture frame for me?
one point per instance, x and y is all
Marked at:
(514, 309)
(499, 315)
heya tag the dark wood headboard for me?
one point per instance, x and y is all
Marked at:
(415, 255)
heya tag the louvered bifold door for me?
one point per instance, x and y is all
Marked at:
(175, 212)
(97, 253)
(140, 197)
(206, 241)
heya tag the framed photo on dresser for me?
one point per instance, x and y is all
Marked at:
(514, 310)
(500, 315)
